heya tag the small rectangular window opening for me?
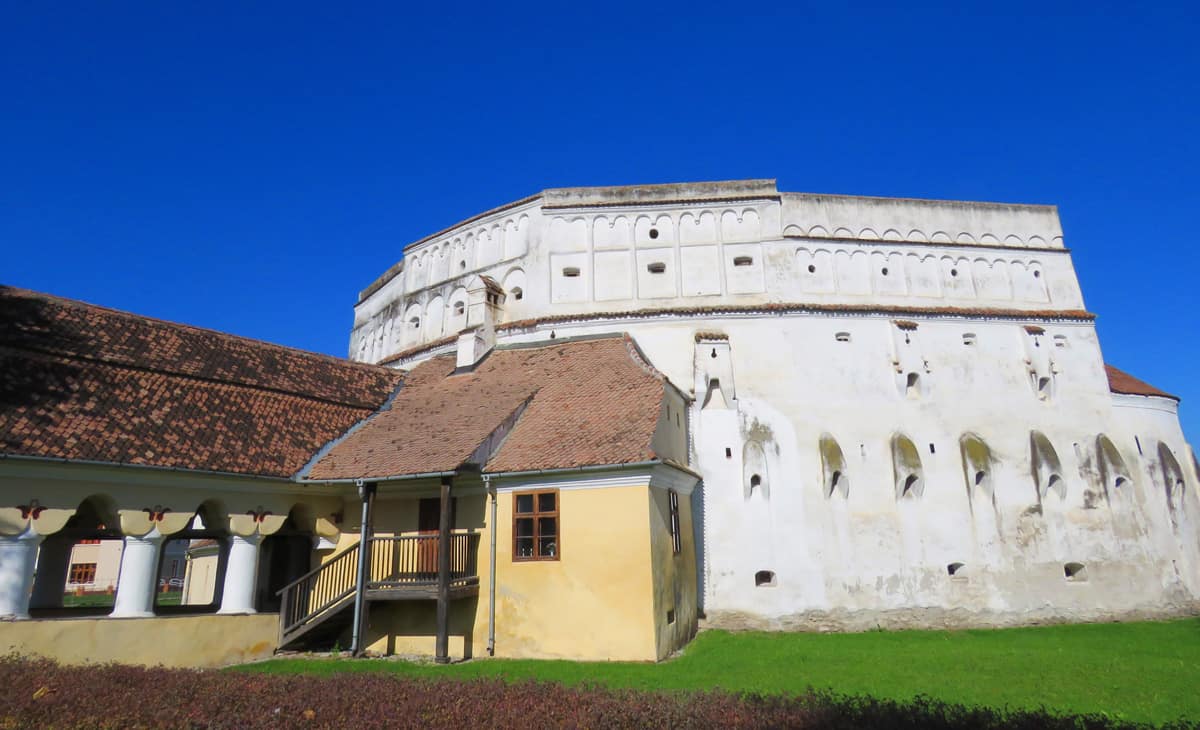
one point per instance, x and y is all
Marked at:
(535, 526)
(671, 616)
(743, 260)
(570, 271)
(1075, 572)
(842, 337)
(676, 537)
(728, 453)
(657, 267)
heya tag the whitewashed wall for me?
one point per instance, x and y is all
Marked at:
(977, 455)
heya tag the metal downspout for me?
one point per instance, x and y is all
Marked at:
(366, 492)
(491, 645)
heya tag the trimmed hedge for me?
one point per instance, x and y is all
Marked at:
(42, 694)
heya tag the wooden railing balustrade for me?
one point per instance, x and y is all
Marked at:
(396, 564)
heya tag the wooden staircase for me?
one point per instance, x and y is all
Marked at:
(316, 608)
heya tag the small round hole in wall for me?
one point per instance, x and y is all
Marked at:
(462, 264)
(953, 272)
(714, 352)
(812, 269)
(517, 293)
(1037, 274)
(653, 233)
(884, 271)
(755, 481)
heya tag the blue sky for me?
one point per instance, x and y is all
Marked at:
(251, 169)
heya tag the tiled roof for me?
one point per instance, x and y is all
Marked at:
(1122, 382)
(575, 403)
(86, 383)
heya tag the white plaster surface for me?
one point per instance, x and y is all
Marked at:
(930, 429)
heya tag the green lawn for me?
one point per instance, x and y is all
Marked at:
(105, 600)
(1145, 672)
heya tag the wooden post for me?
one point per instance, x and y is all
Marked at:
(442, 646)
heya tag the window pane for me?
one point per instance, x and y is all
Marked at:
(525, 527)
(524, 547)
(524, 503)
(547, 546)
(546, 502)
(547, 526)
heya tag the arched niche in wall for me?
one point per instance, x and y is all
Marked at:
(434, 314)
(456, 311)
(514, 286)
(516, 236)
(834, 480)
(412, 324)
(1047, 468)
(1172, 475)
(754, 471)
(977, 466)
(1114, 473)
(487, 245)
(906, 465)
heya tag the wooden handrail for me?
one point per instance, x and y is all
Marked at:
(395, 563)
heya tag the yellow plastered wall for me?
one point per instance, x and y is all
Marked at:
(177, 641)
(596, 601)
(674, 574)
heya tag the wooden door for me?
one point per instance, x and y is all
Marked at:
(429, 512)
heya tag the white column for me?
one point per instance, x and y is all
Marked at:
(54, 560)
(139, 576)
(18, 557)
(241, 575)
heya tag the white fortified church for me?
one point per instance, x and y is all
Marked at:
(899, 408)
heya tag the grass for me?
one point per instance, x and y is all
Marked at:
(105, 600)
(1139, 672)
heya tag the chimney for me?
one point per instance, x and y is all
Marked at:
(478, 338)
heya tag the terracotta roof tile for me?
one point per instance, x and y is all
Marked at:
(575, 403)
(81, 382)
(1122, 382)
